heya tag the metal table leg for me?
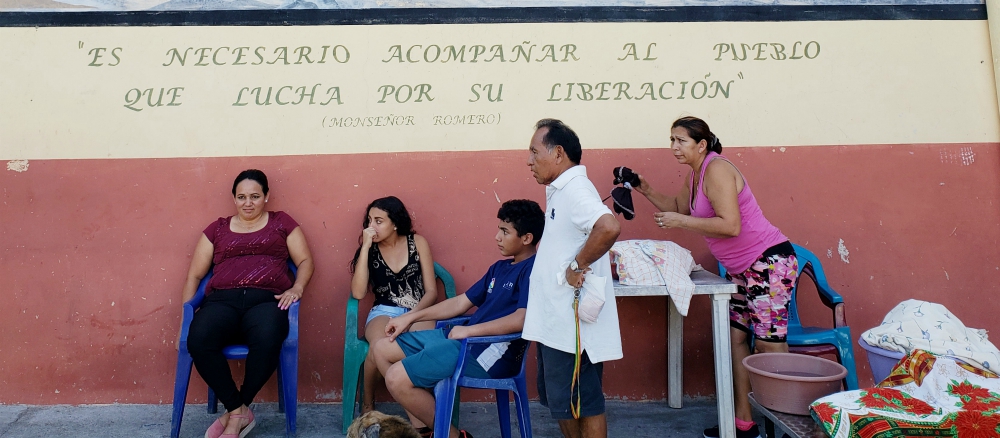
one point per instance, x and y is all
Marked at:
(675, 356)
(723, 365)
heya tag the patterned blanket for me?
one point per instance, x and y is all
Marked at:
(922, 325)
(924, 396)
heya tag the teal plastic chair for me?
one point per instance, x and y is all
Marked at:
(818, 341)
(356, 348)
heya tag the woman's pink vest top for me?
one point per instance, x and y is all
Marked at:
(738, 253)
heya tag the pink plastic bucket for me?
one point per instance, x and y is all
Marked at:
(788, 383)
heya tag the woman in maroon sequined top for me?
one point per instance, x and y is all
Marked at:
(247, 298)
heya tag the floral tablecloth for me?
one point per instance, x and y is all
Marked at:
(924, 396)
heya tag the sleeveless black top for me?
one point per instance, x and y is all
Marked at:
(400, 289)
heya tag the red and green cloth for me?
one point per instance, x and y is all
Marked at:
(924, 396)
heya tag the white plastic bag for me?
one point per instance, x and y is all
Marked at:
(591, 294)
(591, 298)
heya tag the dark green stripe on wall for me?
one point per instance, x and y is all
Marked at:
(316, 17)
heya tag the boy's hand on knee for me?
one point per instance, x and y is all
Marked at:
(396, 326)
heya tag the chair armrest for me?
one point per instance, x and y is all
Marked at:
(293, 324)
(293, 313)
(199, 294)
(493, 339)
(840, 315)
(351, 323)
(829, 296)
(197, 299)
(191, 305)
(445, 323)
(186, 324)
(463, 350)
(446, 279)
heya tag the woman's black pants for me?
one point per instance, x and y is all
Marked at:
(237, 316)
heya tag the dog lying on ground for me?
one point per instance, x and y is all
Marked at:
(378, 425)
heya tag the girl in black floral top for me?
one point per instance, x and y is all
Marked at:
(396, 264)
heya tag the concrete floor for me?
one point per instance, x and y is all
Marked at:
(625, 419)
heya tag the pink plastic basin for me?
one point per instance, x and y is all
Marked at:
(788, 383)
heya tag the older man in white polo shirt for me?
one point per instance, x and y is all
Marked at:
(579, 231)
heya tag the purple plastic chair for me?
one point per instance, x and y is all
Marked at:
(288, 366)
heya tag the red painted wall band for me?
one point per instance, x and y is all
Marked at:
(93, 252)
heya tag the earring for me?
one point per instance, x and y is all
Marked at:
(393, 228)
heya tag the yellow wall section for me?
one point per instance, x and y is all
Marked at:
(867, 82)
(993, 10)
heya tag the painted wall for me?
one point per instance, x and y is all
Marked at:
(879, 154)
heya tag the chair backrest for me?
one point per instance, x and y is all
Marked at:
(522, 356)
(447, 280)
(449, 283)
(519, 356)
(199, 294)
(353, 322)
(809, 265)
(195, 302)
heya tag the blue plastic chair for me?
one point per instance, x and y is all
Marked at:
(820, 340)
(445, 392)
(288, 366)
(356, 348)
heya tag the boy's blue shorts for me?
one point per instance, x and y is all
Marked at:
(431, 357)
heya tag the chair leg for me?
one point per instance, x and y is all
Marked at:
(288, 374)
(523, 412)
(444, 403)
(503, 411)
(769, 428)
(281, 390)
(845, 349)
(213, 402)
(455, 411)
(353, 376)
(181, 379)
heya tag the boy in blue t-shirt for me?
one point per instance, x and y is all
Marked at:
(413, 361)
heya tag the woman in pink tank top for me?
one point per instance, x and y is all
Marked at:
(717, 203)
